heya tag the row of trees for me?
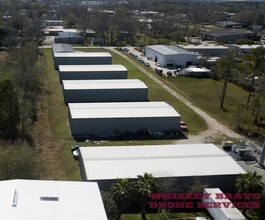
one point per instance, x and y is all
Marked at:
(247, 71)
(127, 193)
(19, 94)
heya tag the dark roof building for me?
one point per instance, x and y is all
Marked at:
(226, 36)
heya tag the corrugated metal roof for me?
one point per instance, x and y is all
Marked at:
(92, 68)
(230, 212)
(42, 199)
(68, 35)
(121, 110)
(204, 47)
(169, 50)
(226, 32)
(114, 162)
(103, 84)
(62, 48)
(197, 69)
(83, 54)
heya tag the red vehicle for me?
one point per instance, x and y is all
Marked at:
(183, 126)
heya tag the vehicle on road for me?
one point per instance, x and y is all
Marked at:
(146, 63)
(158, 64)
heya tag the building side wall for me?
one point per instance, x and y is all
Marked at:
(112, 126)
(93, 75)
(82, 168)
(176, 60)
(81, 61)
(180, 183)
(105, 95)
(209, 52)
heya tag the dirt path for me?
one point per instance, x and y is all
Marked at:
(214, 127)
(47, 145)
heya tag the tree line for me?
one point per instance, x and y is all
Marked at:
(248, 72)
(128, 196)
(18, 112)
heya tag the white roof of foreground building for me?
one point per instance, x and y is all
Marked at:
(121, 110)
(103, 84)
(103, 163)
(42, 199)
(86, 68)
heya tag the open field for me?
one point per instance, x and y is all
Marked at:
(205, 94)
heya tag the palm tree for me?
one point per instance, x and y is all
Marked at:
(249, 183)
(121, 191)
(144, 186)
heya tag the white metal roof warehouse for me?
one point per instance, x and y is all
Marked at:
(81, 58)
(106, 164)
(77, 72)
(170, 56)
(104, 90)
(49, 200)
(105, 118)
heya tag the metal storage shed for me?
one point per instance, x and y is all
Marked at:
(49, 200)
(81, 58)
(170, 56)
(223, 213)
(182, 162)
(110, 119)
(121, 90)
(77, 72)
(62, 48)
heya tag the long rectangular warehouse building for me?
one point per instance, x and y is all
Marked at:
(78, 72)
(109, 119)
(181, 163)
(120, 90)
(81, 58)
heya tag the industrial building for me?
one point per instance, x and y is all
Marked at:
(81, 58)
(121, 90)
(69, 37)
(180, 163)
(207, 50)
(78, 72)
(243, 48)
(62, 48)
(223, 213)
(227, 35)
(47, 200)
(170, 56)
(112, 119)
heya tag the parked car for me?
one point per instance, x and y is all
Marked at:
(183, 126)
(75, 151)
(146, 63)
(158, 64)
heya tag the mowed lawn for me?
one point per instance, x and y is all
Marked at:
(205, 93)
